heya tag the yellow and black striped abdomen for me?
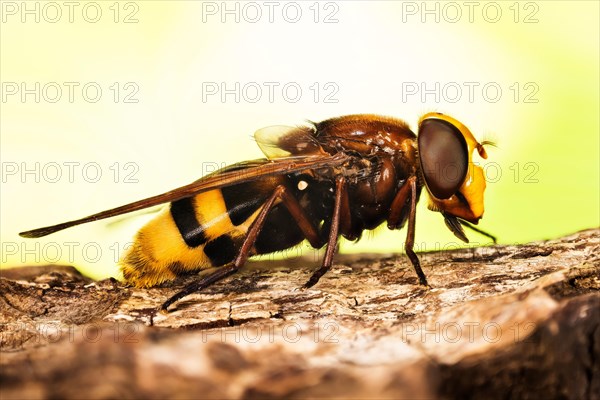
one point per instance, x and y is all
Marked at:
(204, 231)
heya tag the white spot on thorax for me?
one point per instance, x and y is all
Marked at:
(302, 185)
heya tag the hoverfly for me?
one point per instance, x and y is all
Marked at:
(337, 177)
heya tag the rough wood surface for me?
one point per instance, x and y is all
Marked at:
(499, 322)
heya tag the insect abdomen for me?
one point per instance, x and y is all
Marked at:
(195, 233)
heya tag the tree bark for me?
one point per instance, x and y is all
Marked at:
(498, 322)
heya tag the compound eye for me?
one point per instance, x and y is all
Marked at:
(444, 157)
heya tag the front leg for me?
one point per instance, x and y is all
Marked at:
(408, 191)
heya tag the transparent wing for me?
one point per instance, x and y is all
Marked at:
(243, 172)
(280, 141)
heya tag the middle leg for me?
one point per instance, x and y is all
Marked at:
(341, 196)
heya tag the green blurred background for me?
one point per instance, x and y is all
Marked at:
(105, 103)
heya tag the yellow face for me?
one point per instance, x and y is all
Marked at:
(470, 207)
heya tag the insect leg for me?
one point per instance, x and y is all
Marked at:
(206, 281)
(239, 261)
(398, 203)
(304, 223)
(345, 216)
(455, 226)
(291, 203)
(410, 235)
(340, 193)
(474, 228)
(409, 188)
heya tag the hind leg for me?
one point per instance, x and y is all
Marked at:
(306, 226)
